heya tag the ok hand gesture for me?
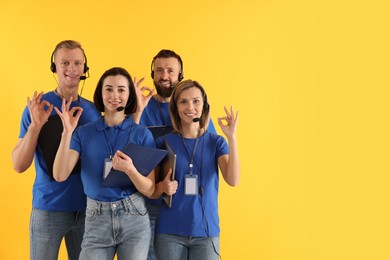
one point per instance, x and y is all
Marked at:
(229, 129)
(38, 114)
(69, 118)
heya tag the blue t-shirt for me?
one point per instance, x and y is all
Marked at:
(157, 114)
(188, 213)
(47, 193)
(95, 142)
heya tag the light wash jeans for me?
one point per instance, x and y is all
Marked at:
(120, 227)
(47, 229)
(154, 211)
(171, 247)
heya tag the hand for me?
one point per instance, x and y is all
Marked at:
(142, 101)
(169, 186)
(122, 162)
(38, 114)
(229, 129)
(69, 118)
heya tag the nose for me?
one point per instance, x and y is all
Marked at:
(115, 93)
(164, 74)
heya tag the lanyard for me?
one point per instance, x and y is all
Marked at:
(111, 145)
(191, 164)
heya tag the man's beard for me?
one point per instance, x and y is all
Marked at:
(163, 91)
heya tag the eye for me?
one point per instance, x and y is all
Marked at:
(79, 63)
(64, 63)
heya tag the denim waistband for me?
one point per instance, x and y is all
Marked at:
(113, 205)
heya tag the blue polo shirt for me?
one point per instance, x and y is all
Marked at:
(48, 194)
(95, 142)
(188, 213)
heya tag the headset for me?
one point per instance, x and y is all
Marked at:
(53, 65)
(172, 55)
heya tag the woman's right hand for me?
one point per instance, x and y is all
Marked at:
(169, 186)
(69, 118)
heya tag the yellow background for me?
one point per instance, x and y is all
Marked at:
(311, 82)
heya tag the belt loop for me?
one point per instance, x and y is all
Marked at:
(124, 204)
(99, 209)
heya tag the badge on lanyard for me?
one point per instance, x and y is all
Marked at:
(191, 184)
(191, 180)
(107, 167)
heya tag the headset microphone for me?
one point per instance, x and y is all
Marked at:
(84, 77)
(119, 109)
(196, 119)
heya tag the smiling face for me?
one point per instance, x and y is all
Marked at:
(115, 92)
(166, 74)
(69, 66)
(190, 105)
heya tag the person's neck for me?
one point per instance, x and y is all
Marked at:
(66, 93)
(113, 119)
(191, 131)
(162, 99)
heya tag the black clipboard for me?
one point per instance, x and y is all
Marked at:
(144, 159)
(168, 162)
(158, 131)
(49, 140)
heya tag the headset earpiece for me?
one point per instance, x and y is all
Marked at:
(180, 76)
(206, 106)
(53, 67)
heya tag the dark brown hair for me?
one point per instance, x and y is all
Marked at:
(131, 105)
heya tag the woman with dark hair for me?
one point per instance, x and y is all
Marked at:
(190, 228)
(116, 217)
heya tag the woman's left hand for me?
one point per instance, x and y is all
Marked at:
(122, 162)
(229, 129)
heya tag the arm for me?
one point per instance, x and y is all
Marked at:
(165, 186)
(230, 164)
(23, 153)
(66, 158)
(142, 101)
(144, 184)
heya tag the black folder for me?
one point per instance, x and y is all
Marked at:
(144, 159)
(168, 162)
(158, 131)
(49, 140)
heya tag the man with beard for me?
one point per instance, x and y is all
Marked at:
(152, 111)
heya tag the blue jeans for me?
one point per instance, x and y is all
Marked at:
(47, 229)
(153, 215)
(120, 227)
(172, 247)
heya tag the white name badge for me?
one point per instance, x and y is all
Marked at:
(191, 184)
(107, 167)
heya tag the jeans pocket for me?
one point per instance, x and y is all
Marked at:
(90, 215)
(138, 206)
